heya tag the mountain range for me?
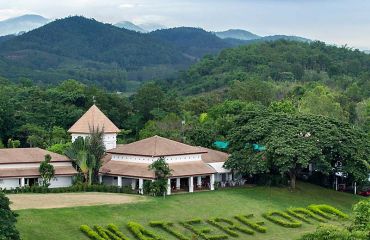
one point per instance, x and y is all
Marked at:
(20, 24)
(109, 56)
(237, 34)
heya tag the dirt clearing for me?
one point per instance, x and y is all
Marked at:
(61, 200)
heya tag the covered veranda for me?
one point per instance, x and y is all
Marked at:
(186, 176)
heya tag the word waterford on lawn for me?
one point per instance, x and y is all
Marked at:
(240, 224)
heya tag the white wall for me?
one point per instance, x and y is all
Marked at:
(9, 183)
(33, 165)
(109, 139)
(61, 181)
(169, 159)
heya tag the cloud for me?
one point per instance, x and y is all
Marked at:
(10, 12)
(127, 5)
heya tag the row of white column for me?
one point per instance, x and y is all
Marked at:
(191, 183)
(141, 183)
(22, 182)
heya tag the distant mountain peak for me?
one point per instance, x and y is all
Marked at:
(149, 27)
(130, 26)
(237, 34)
(22, 23)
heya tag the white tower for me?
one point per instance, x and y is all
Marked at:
(95, 119)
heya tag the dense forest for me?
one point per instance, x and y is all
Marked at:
(220, 89)
(101, 54)
(104, 55)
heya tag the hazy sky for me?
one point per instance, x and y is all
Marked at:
(333, 21)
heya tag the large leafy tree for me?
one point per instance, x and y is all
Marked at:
(162, 172)
(321, 101)
(46, 170)
(293, 141)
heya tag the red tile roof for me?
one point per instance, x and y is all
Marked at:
(94, 118)
(156, 147)
(28, 155)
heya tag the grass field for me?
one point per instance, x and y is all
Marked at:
(63, 223)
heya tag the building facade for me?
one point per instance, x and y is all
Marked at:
(19, 167)
(94, 119)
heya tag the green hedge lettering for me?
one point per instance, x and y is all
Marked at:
(278, 218)
(168, 227)
(114, 229)
(326, 211)
(90, 233)
(202, 232)
(257, 226)
(141, 233)
(304, 214)
(232, 227)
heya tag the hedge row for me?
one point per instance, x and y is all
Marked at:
(231, 227)
(326, 211)
(257, 226)
(90, 233)
(75, 188)
(278, 218)
(113, 228)
(285, 219)
(303, 213)
(168, 227)
(141, 233)
(202, 232)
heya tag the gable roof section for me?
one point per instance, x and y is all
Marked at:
(156, 147)
(34, 172)
(213, 156)
(28, 155)
(129, 169)
(93, 118)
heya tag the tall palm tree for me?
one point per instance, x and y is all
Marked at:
(97, 149)
(78, 153)
(87, 154)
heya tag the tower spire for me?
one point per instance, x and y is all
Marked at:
(94, 100)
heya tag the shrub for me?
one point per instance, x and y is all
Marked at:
(303, 213)
(141, 233)
(231, 228)
(334, 233)
(168, 227)
(90, 233)
(101, 231)
(203, 232)
(361, 218)
(278, 216)
(257, 226)
(326, 211)
(114, 229)
(7, 220)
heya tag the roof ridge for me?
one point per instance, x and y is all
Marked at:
(155, 145)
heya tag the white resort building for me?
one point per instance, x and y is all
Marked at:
(19, 167)
(193, 168)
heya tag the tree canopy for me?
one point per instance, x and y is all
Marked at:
(293, 141)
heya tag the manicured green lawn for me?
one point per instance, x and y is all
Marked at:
(64, 223)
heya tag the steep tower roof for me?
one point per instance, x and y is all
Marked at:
(94, 118)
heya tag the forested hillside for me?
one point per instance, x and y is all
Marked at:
(283, 76)
(195, 42)
(87, 50)
(279, 61)
(107, 56)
